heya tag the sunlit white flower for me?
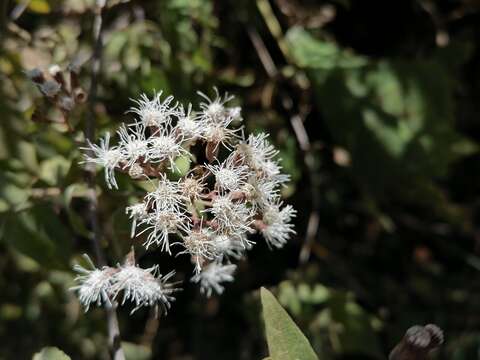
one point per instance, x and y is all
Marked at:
(235, 113)
(273, 171)
(137, 212)
(95, 286)
(212, 277)
(231, 217)
(229, 175)
(199, 245)
(257, 150)
(188, 125)
(276, 228)
(133, 144)
(166, 195)
(214, 111)
(144, 287)
(166, 146)
(216, 119)
(155, 112)
(192, 187)
(160, 224)
(260, 190)
(230, 245)
(219, 133)
(103, 155)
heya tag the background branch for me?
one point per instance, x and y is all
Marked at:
(112, 320)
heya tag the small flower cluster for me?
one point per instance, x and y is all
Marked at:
(142, 287)
(231, 190)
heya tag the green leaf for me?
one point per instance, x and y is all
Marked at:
(285, 340)
(39, 6)
(182, 166)
(38, 233)
(136, 352)
(351, 327)
(28, 155)
(51, 353)
(310, 52)
(54, 169)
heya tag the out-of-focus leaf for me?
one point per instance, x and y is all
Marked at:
(245, 79)
(288, 297)
(38, 233)
(155, 79)
(51, 353)
(285, 340)
(309, 52)
(39, 6)
(28, 155)
(136, 352)
(12, 195)
(293, 296)
(53, 170)
(349, 325)
(14, 185)
(132, 56)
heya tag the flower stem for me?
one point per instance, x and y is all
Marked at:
(116, 350)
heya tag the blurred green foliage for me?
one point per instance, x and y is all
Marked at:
(387, 96)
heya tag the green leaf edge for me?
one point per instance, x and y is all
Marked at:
(269, 305)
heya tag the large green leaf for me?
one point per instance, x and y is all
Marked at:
(51, 353)
(285, 340)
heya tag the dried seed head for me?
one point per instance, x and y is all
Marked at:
(66, 103)
(50, 88)
(35, 75)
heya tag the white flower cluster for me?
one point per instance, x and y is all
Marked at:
(231, 191)
(142, 287)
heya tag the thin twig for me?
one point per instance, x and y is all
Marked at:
(314, 217)
(90, 127)
(273, 25)
(297, 122)
(19, 9)
(263, 54)
(113, 327)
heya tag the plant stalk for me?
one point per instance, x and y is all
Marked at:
(115, 348)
